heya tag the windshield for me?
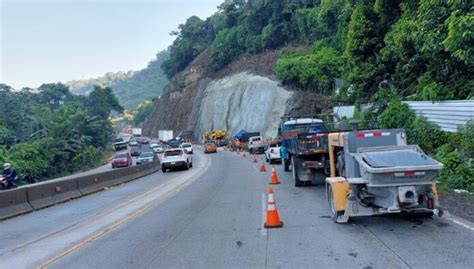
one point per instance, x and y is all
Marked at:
(146, 154)
(186, 145)
(210, 145)
(120, 155)
(173, 153)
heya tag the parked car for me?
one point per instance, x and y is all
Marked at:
(210, 148)
(146, 157)
(188, 147)
(122, 159)
(272, 153)
(175, 159)
(135, 151)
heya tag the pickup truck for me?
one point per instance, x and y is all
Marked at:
(272, 154)
(256, 145)
(305, 149)
(120, 144)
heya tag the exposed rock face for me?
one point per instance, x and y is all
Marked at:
(243, 96)
(241, 101)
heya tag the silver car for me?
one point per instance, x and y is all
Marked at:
(145, 157)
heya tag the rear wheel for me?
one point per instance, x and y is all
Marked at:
(163, 169)
(294, 169)
(334, 214)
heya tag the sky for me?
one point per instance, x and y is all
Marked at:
(62, 40)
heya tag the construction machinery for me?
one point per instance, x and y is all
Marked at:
(375, 172)
(214, 135)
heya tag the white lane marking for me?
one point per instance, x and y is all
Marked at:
(465, 225)
(264, 230)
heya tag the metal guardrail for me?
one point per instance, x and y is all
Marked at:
(43, 194)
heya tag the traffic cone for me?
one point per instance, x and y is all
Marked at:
(262, 168)
(273, 220)
(254, 160)
(274, 178)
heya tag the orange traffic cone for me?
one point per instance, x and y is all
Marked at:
(273, 220)
(254, 160)
(274, 178)
(262, 168)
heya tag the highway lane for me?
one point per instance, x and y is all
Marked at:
(217, 223)
(27, 240)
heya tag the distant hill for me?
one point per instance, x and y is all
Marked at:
(130, 87)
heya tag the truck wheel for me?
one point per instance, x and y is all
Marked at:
(334, 214)
(163, 169)
(286, 165)
(296, 177)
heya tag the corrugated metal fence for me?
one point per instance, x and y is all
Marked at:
(448, 115)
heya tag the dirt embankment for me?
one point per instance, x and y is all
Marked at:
(199, 98)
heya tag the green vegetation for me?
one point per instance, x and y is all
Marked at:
(454, 150)
(384, 50)
(142, 111)
(131, 88)
(53, 132)
(422, 47)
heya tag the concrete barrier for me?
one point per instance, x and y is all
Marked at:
(51, 192)
(47, 193)
(14, 202)
(97, 182)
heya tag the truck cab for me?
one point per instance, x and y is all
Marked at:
(256, 144)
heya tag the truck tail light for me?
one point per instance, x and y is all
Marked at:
(429, 203)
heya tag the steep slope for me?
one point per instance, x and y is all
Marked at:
(244, 95)
(130, 87)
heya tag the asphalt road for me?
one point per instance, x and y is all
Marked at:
(211, 217)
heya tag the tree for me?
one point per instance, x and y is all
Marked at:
(102, 102)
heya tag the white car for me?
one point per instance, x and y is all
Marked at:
(133, 143)
(272, 153)
(175, 159)
(188, 147)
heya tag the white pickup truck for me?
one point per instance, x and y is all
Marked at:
(256, 145)
(272, 154)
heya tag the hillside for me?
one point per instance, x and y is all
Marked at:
(130, 87)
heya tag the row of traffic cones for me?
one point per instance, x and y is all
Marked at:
(272, 219)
